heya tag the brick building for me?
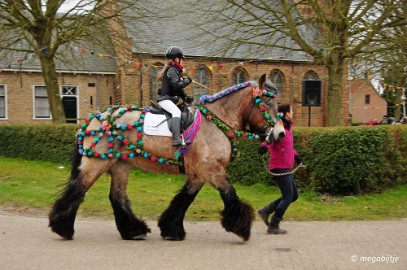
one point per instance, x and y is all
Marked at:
(23, 97)
(130, 77)
(366, 103)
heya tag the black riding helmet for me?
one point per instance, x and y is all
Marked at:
(174, 52)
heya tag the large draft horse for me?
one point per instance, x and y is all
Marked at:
(206, 161)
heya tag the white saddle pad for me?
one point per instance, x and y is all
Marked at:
(156, 124)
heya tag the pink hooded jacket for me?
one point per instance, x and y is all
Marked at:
(282, 153)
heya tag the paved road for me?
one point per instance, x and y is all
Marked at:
(27, 243)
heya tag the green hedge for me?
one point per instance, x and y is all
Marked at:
(38, 142)
(340, 160)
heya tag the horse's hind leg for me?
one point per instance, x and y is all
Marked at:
(171, 220)
(128, 225)
(63, 212)
(237, 216)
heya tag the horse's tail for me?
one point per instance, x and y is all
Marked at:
(76, 162)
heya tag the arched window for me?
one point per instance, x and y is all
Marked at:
(239, 75)
(201, 76)
(155, 71)
(311, 75)
(277, 78)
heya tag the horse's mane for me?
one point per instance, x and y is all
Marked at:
(206, 98)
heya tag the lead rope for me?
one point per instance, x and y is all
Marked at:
(264, 161)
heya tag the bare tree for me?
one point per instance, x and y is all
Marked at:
(44, 26)
(390, 62)
(330, 31)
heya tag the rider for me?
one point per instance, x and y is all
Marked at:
(173, 84)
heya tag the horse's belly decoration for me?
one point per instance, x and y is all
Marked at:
(157, 125)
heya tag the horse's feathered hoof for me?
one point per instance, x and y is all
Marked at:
(170, 238)
(62, 230)
(139, 237)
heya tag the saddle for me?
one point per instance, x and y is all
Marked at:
(187, 117)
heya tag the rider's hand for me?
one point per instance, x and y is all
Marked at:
(187, 81)
(189, 99)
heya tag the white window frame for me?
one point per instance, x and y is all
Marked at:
(5, 103)
(73, 95)
(34, 102)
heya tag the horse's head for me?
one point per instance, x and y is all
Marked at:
(266, 120)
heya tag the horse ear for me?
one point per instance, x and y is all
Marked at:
(262, 81)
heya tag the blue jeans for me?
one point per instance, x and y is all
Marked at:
(288, 190)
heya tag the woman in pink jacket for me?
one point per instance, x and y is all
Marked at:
(282, 159)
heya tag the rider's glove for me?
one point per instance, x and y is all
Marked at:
(187, 81)
(189, 99)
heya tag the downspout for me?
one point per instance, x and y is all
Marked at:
(141, 82)
(97, 93)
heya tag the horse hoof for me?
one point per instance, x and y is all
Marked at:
(171, 238)
(139, 237)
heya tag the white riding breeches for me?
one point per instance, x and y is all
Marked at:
(170, 107)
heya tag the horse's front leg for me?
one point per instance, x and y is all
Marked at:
(171, 220)
(237, 216)
(128, 225)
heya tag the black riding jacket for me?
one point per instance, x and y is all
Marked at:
(172, 84)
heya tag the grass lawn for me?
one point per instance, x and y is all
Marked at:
(34, 185)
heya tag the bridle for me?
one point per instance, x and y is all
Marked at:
(257, 102)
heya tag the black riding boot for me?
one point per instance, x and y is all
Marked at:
(176, 131)
(266, 211)
(274, 226)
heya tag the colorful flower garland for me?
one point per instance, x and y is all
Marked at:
(114, 134)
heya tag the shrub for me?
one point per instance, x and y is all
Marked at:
(38, 142)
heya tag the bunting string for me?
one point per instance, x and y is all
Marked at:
(385, 86)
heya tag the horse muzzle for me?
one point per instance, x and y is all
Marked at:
(274, 136)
